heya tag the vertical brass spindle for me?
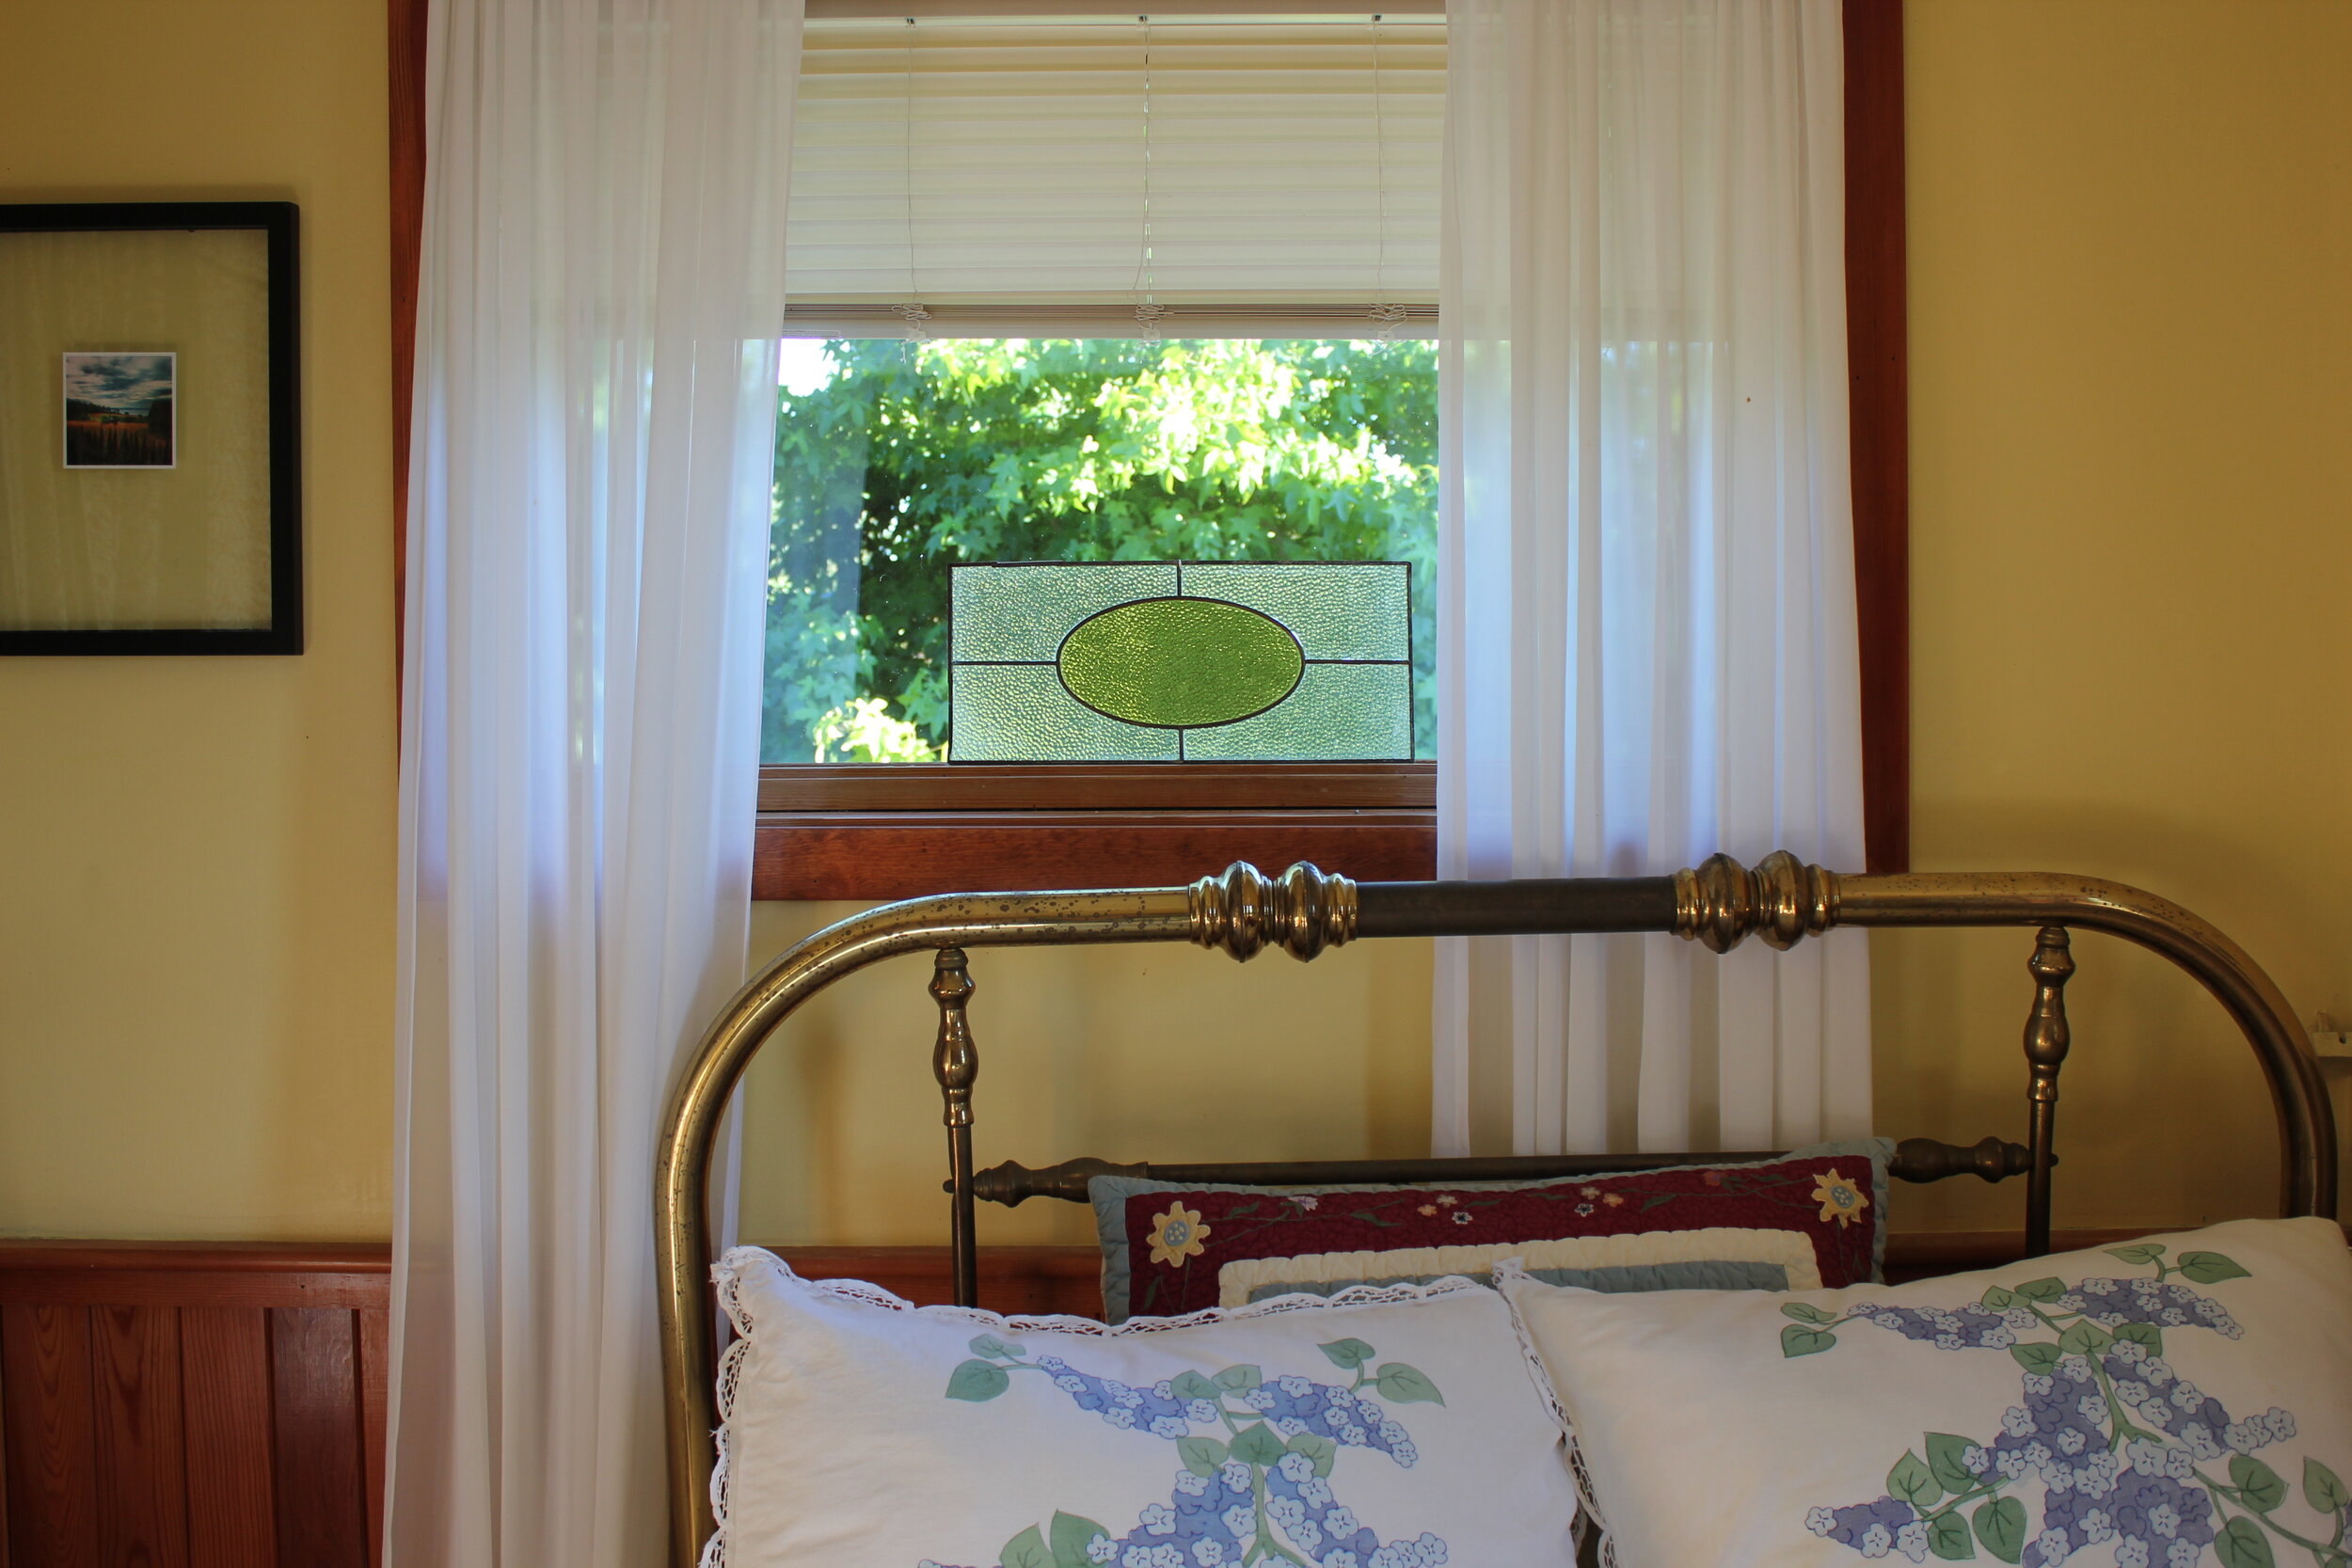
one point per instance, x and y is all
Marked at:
(955, 1063)
(2046, 1043)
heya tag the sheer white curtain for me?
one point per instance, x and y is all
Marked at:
(602, 286)
(1646, 617)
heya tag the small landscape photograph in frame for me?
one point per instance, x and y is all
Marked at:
(151, 429)
(119, 410)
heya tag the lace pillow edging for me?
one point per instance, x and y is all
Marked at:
(727, 1276)
(714, 1553)
(1513, 1269)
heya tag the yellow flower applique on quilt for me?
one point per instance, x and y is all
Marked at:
(1839, 1198)
(1177, 1235)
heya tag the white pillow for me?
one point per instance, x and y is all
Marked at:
(2185, 1400)
(1392, 1427)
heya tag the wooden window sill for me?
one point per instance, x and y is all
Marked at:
(854, 832)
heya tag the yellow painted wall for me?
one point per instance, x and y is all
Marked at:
(1161, 1052)
(2131, 237)
(2131, 311)
(196, 854)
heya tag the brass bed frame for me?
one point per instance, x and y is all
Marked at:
(1304, 912)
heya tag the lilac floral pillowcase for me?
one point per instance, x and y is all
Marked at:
(2179, 1402)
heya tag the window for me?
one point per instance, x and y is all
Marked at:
(993, 175)
(1089, 291)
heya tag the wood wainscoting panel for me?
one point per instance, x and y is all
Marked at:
(51, 1450)
(141, 1450)
(376, 1399)
(165, 1405)
(314, 1386)
(225, 1390)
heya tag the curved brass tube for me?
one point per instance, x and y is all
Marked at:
(682, 1167)
(2299, 1095)
(1304, 912)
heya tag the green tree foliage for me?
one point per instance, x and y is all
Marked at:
(913, 458)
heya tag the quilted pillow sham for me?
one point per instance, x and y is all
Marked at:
(1814, 1217)
(2183, 1401)
(1381, 1429)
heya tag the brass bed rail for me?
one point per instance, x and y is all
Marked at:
(1304, 912)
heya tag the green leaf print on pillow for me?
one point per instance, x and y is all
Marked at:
(2130, 1453)
(1257, 1457)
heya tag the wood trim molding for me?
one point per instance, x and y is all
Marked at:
(879, 855)
(1101, 786)
(815, 840)
(1877, 358)
(406, 27)
(96, 1260)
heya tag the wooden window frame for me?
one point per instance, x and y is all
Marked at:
(856, 832)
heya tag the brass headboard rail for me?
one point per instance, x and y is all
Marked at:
(1782, 900)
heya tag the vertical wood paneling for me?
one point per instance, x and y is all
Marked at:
(225, 1380)
(142, 1465)
(138, 1422)
(376, 1392)
(52, 1468)
(4, 1464)
(321, 1501)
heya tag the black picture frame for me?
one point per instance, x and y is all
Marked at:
(279, 223)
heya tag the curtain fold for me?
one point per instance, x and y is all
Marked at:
(600, 293)
(1646, 641)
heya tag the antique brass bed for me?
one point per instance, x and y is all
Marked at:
(1304, 912)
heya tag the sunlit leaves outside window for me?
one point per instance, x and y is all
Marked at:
(896, 461)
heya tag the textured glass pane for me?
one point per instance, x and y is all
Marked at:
(1020, 713)
(1337, 610)
(1339, 713)
(1150, 661)
(1022, 612)
(1180, 661)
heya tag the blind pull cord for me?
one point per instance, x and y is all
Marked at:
(1148, 310)
(911, 315)
(1386, 318)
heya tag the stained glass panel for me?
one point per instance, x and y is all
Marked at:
(1226, 661)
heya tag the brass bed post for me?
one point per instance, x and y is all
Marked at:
(2046, 1043)
(956, 1063)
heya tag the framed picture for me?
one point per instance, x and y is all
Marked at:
(151, 471)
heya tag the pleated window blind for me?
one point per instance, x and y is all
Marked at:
(1017, 175)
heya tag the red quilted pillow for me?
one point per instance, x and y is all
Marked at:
(1809, 1221)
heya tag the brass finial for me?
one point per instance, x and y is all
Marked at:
(2047, 1035)
(2047, 1040)
(955, 1061)
(1243, 913)
(1783, 900)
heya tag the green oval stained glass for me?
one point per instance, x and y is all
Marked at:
(1170, 662)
